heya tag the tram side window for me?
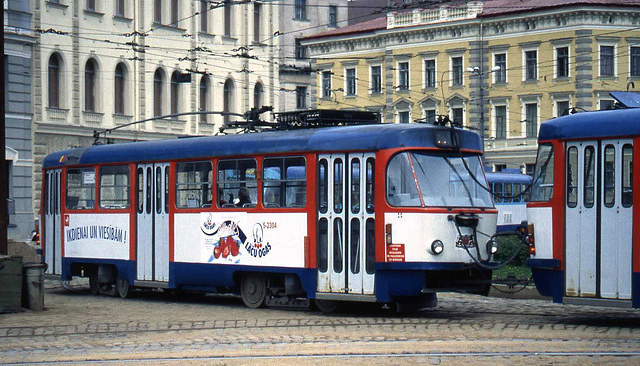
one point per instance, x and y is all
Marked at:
(81, 189)
(609, 176)
(542, 186)
(497, 191)
(572, 177)
(517, 192)
(284, 182)
(194, 184)
(589, 176)
(627, 175)
(237, 184)
(114, 187)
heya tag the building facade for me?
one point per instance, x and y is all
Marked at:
(103, 65)
(500, 66)
(296, 20)
(18, 43)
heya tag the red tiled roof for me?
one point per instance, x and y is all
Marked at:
(368, 26)
(498, 7)
(490, 8)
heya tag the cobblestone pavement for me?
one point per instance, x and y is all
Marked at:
(157, 328)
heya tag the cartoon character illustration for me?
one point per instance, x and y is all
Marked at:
(226, 239)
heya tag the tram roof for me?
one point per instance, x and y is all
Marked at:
(330, 139)
(592, 125)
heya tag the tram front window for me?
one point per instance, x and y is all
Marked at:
(418, 179)
(542, 186)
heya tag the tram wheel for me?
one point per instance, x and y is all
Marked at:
(326, 306)
(94, 285)
(253, 290)
(122, 287)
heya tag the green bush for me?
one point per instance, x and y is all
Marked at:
(507, 245)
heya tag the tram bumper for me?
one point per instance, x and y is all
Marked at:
(396, 280)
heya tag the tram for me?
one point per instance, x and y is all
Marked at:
(385, 213)
(510, 190)
(584, 213)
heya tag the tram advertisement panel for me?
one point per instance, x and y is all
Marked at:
(87, 236)
(241, 238)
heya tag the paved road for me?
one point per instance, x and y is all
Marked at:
(156, 328)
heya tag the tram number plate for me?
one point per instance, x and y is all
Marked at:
(465, 241)
(395, 253)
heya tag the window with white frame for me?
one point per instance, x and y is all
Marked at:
(326, 84)
(301, 97)
(457, 115)
(500, 121)
(119, 11)
(430, 115)
(530, 65)
(457, 72)
(403, 75)
(350, 80)
(500, 62)
(531, 119)
(404, 116)
(607, 60)
(634, 61)
(300, 10)
(562, 108)
(429, 73)
(333, 16)
(376, 79)
(562, 62)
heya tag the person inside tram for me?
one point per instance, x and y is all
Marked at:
(272, 197)
(244, 197)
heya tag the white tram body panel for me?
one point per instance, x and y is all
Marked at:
(103, 236)
(543, 230)
(265, 239)
(413, 234)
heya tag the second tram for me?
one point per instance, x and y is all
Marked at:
(375, 213)
(584, 213)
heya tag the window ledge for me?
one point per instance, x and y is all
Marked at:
(93, 13)
(57, 5)
(122, 18)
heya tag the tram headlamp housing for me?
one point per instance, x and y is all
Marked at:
(437, 247)
(492, 246)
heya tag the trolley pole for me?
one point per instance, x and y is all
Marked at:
(4, 212)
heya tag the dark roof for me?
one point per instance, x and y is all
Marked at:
(330, 139)
(491, 8)
(592, 125)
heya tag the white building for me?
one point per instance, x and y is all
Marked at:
(102, 64)
(298, 19)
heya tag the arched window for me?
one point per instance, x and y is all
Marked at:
(204, 96)
(158, 81)
(54, 81)
(175, 92)
(90, 78)
(119, 89)
(228, 102)
(257, 95)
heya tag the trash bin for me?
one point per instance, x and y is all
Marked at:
(33, 286)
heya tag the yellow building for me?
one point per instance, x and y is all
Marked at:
(501, 66)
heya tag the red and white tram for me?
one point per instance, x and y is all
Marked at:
(584, 213)
(376, 213)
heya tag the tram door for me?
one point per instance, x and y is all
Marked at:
(581, 214)
(616, 219)
(152, 222)
(598, 219)
(52, 226)
(346, 250)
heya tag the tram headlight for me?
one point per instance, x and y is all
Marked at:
(437, 247)
(492, 246)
